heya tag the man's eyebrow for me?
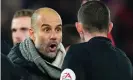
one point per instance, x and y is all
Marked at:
(13, 29)
(24, 28)
(49, 25)
(59, 25)
(45, 25)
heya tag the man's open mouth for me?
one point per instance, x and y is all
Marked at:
(53, 47)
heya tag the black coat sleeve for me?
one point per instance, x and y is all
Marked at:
(8, 70)
(75, 62)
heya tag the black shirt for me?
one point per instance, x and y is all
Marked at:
(97, 59)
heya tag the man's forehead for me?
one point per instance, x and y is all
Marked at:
(21, 20)
(18, 22)
(49, 16)
(49, 19)
(22, 27)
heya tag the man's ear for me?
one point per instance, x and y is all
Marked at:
(31, 32)
(80, 30)
(110, 26)
(79, 27)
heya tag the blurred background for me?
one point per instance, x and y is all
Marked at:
(121, 15)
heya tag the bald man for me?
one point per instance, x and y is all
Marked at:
(42, 54)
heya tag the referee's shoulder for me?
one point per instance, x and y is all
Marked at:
(76, 49)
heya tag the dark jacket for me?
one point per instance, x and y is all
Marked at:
(5, 47)
(30, 69)
(8, 71)
(97, 59)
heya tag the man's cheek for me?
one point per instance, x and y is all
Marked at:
(60, 38)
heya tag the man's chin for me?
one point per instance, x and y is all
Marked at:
(52, 55)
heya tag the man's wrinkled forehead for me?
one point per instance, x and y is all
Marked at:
(49, 19)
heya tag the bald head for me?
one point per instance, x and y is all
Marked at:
(46, 10)
(43, 14)
(46, 31)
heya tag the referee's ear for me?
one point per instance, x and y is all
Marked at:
(110, 27)
(79, 27)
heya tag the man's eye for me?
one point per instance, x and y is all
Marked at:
(14, 30)
(58, 29)
(46, 29)
(24, 29)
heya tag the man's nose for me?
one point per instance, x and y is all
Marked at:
(18, 36)
(53, 35)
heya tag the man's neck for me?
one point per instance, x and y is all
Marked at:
(88, 36)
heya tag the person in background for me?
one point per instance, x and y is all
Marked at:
(21, 23)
